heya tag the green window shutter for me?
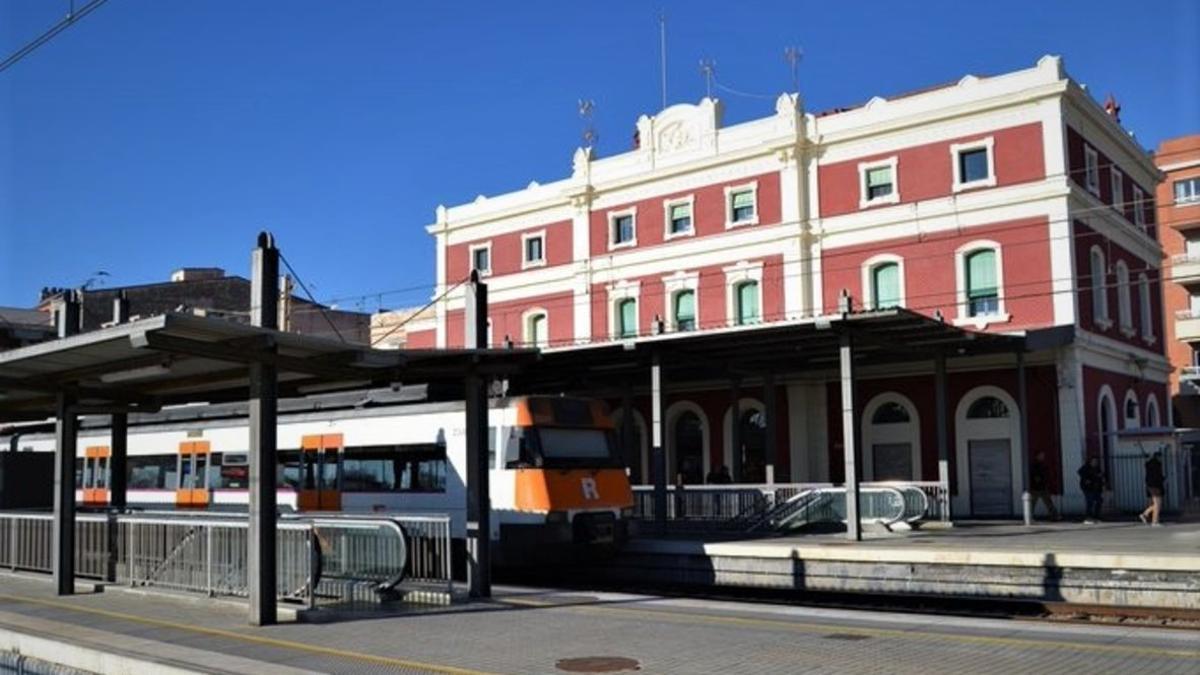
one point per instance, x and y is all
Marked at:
(879, 177)
(885, 289)
(685, 310)
(981, 274)
(627, 318)
(747, 303)
(743, 199)
(681, 211)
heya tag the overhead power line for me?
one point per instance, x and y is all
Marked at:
(69, 20)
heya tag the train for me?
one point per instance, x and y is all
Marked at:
(558, 484)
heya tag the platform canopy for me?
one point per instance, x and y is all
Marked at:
(176, 358)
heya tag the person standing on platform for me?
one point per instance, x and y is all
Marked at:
(1091, 482)
(1039, 485)
(1155, 484)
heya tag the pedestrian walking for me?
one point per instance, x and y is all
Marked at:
(1039, 485)
(1155, 485)
(1091, 482)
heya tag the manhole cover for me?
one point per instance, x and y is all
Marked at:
(849, 637)
(597, 664)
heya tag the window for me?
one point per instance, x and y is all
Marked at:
(537, 333)
(982, 287)
(1152, 419)
(878, 183)
(1187, 191)
(974, 165)
(1145, 308)
(395, 468)
(622, 228)
(685, 310)
(987, 407)
(1099, 289)
(627, 318)
(746, 294)
(1139, 207)
(742, 207)
(1091, 170)
(481, 259)
(885, 285)
(1132, 414)
(891, 412)
(679, 217)
(1118, 189)
(1124, 306)
(535, 249)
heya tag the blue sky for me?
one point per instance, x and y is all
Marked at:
(154, 135)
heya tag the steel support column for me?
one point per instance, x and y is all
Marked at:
(770, 435)
(658, 455)
(943, 446)
(118, 461)
(735, 427)
(850, 438)
(479, 506)
(1023, 430)
(264, 388)
(63, 542)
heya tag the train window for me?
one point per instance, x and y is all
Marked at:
(518, 449)
(287, 473)
(156, 472)
(394, 468)
(492, 441)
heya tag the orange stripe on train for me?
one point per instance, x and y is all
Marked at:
(572, 489)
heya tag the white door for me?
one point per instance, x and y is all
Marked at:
(991, 477)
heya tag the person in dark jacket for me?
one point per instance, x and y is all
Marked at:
(1039, 485)
(1155, 484)
(1091, 482)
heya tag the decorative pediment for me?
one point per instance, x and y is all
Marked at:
(681, 130)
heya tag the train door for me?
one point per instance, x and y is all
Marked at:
(320, 473)
(95, 475)
(192, 491)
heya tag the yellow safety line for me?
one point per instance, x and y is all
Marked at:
(257, 639)
(806, 627)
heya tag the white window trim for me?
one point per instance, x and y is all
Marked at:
(1131, 397)
(1091, 170)
(612, 233)
(868, 288)
(1103, 318)
(1146, 309)
(623, 290)
(752, 186)
(957, 149)
(675, 283)
(690, 200)
(526, 323)
(1124, 300)
(1116, 182)
(960, 274)
(893, 198)
(1193, 201)
(1139, 206)
(734, 275)
(525, 263)
(471, 258)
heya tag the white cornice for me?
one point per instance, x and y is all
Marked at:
(1088, 208)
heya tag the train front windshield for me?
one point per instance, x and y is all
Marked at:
(585, 445)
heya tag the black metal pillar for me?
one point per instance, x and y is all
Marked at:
(1023, 430)
(118, 464)
(264, 385)
(850, 438)
(479, 506)
(64, 496)
(735, 427)
(769, 435)
(943, 445)
(658, 455)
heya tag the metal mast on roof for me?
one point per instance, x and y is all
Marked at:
(662, 45)
(586, 108)
(708, 68)
(793, 55)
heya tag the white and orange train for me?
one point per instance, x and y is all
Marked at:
(556, 476)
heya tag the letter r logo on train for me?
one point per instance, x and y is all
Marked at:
(589, 488)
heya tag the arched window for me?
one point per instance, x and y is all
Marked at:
(982, 282)
(1145, 308)
(689, 448)
(891, 412)
(685, 310)
(627, 318)
(753, 434)
(1132, 414)
(537, 331)
(987, 407)
(1107, 430)
(1124, 304)
(746, 299)
(1152, 418)
(885, 285)
(1099, 286)
(891, 439)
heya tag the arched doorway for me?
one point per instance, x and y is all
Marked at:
(687, 434)
(636, 457)
(1107, 430)
(753, 438)
(891, 439)
(988, 453)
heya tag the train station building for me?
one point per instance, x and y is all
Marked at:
(1012, 205)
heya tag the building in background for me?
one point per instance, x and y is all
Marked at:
(389, 329)
(1012, 203)
(208, 291)
(1179, 215)
(21, 327)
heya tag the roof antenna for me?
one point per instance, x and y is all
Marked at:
(586, 108)
(662, 53)
(708, 68)
(793, 55)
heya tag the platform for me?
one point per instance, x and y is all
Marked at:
(1117, 564)
(539, 630)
